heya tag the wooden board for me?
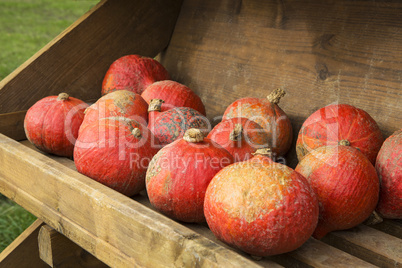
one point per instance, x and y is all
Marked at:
(60, 252)
(76, 61)
(313, 253)
(319, 52)
(23, 252)
(116, 229)
(12, 125)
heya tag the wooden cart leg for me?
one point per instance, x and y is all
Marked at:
(58, 251)
(24, 251)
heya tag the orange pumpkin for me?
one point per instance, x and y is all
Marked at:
(269, 116)
(345, 183)
(261, 207)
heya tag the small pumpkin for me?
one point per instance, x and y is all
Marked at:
(52, 123)
(333, 123)
(174, 95)
(261, 207)
(240, 136)
(133, 73)
(389, 170)
(118, 103)
(171, 125)
(115, 151)
(268, 115)
(179, 174)
(345, 183)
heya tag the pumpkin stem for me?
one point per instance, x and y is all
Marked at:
(344, 142)
(193, 135)
(235, 135)
(136, 132)
(276, 95)
(263, 151)
(63, 96)
(373, 219)
(155, 105)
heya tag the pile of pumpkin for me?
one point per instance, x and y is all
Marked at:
(150, 133)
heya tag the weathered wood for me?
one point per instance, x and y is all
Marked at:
(369, 244)
(77, 60)
(392, 227)
(319, 52)
(12, 125)
(313, 253)
(116, 229)
(23, 252)
(58, 251)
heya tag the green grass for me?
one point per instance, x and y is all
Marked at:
(25, 27)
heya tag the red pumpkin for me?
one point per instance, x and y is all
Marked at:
(336, 122)
(171, 125)
(179, 174)
(240, 136)
(115, 151)
(268, 115)
(346, 185)
(174, 94)
(52, 124)
(133, 73)
(118, 103)
(261, 207)
(389, 170)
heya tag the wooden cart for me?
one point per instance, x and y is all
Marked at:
(320, 52)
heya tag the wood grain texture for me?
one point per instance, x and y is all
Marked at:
(23, 252)
(392, 227)
(370, 244)
(12, 125)
(60, 252)
(313, 253)
(319, 52)
(77, 60)
(116, 229)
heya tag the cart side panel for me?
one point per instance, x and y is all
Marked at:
(320, 52)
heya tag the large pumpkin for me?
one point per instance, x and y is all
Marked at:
(52, 123)
(174, 95)
(179, 174)
(261, 207)
(115, 151)
(171, 125)
(389, 170)
(333, 123)
(118, 103)
(240, 136)
(346, 185)
(133, 73)
(268, 115)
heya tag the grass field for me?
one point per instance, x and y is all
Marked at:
(25, 27)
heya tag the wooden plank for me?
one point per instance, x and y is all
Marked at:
(58, 251)
(116, 229)
(142, 198)
(392, 227)
(77, 60)
(12, 125)
(319, 52)
(23, 252)
(368, 244)
(315, 253)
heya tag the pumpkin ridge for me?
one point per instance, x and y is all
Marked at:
(355, 119)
